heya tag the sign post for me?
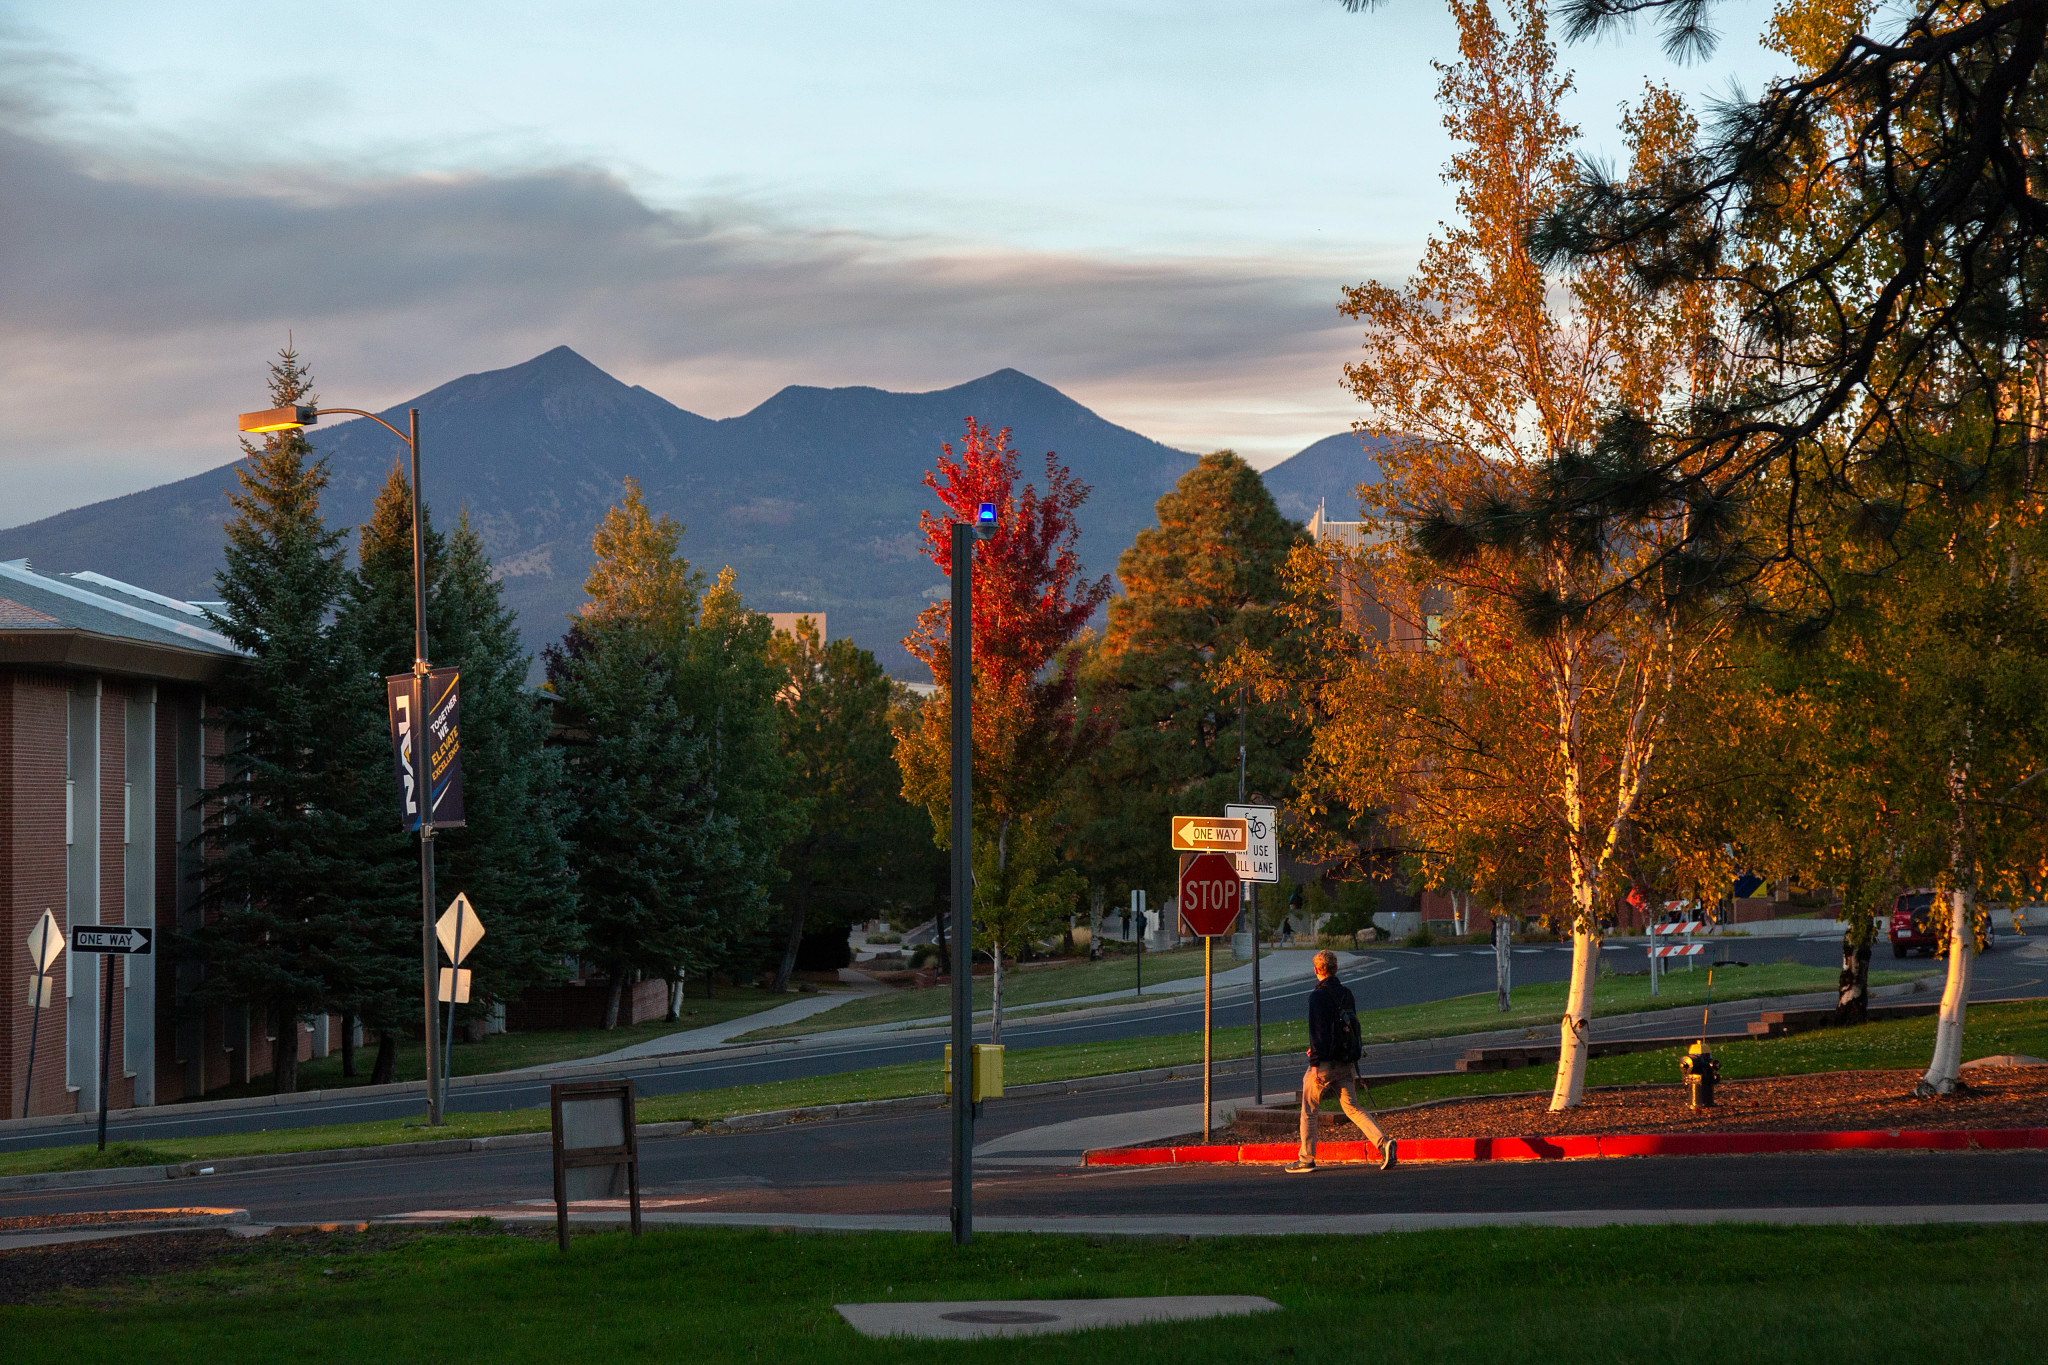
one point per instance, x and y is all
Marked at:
(1260, 862)
(459, 929)
(1210, 895)
(45, 941)
(107, 940)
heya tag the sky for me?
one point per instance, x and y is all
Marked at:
(1151, 204)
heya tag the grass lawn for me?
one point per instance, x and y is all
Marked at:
(1027, 986)
(2021, 1026)
(1698, 1295)
(2018, 1026)
(511, 1051)
(1540, 1006)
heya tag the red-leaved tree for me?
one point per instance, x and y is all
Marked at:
(1030, 601)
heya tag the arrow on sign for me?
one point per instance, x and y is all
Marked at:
(92, 938)
(1209, 834)
(460, 918)
(45, 941)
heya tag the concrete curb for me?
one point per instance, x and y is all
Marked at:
(1580, 1147)
(1179, 1227)
(737, 1123)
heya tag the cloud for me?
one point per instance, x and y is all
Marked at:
(140, 297)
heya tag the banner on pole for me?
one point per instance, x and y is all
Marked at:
(426, 747)
(444, 748)
(401, 695)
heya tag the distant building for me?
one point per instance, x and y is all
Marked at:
(1357, 607)
(103, 690)
(785, 622)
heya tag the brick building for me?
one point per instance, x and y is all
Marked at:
(103, 690)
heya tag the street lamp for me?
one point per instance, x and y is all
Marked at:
(964, 535)
(291, 417)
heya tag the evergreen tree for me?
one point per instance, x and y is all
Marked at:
(510, 858)
(676, 777)
(295, 878)
(1199, 587)
(377, 619)
(862, 844)
(640, 819)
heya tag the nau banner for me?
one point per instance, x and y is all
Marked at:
(402, 697)
(444, 747)
(426, 747)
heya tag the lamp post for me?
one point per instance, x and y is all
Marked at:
(292, 418)
(962, 642)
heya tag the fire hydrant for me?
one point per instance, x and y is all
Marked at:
(1699, 1071)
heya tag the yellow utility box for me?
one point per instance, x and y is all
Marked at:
(988, 1072)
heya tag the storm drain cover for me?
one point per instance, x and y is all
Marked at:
(999, 1316)
(960, 1320)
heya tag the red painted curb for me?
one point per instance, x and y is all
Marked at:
(1579, 1147)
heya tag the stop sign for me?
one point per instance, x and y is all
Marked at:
(1209, 891)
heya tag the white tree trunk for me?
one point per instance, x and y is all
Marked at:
(1578, 1018)
(1945, 1070)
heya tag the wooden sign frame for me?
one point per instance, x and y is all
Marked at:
(625, 1152)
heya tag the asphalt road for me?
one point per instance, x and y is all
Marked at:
(1379, 978)
(895, 1163)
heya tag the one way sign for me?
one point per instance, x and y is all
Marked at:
(94, 938)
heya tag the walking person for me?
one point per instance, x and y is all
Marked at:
(1333, 1053)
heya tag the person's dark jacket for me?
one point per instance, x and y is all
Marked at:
(1325, 1002)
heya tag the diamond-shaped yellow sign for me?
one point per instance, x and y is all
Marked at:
(460, 917)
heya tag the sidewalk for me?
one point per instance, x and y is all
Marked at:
(716, 1035)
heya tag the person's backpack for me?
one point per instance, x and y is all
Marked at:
(1346, 1038)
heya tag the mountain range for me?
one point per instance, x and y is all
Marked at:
(812, 497)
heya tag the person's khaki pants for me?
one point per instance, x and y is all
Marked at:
(1315, 1083)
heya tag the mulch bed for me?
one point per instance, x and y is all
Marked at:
(34, 1274)
(1838, 1101)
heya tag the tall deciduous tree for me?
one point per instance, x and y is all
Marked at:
(1481, 373)
(297, 886)
(1030, 602)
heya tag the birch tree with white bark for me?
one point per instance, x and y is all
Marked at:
(1477, 695)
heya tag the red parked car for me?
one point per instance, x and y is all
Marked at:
(1913, 923)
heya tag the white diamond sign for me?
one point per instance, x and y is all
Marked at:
(45, 941)
(459, 918)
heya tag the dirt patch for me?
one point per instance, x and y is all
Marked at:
(1838, 1101)
(35, 1274)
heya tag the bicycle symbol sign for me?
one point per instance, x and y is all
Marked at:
(1260, 859)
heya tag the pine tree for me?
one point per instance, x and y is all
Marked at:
(862, 845)
(728, 688)
(1199, 587)
(510, 858)
(676, 777)
(293, 885)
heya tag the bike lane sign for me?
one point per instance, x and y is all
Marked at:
(1260, 860)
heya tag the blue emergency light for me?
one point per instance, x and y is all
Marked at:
(987, 515)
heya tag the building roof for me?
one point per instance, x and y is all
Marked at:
(87, 622)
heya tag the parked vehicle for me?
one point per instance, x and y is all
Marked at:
(1912, 925)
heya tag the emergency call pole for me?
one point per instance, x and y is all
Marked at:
(962, 697)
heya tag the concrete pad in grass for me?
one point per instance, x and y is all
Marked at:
(1031, 1317)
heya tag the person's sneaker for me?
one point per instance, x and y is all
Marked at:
(1302, 1168)
(1387, 1157)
